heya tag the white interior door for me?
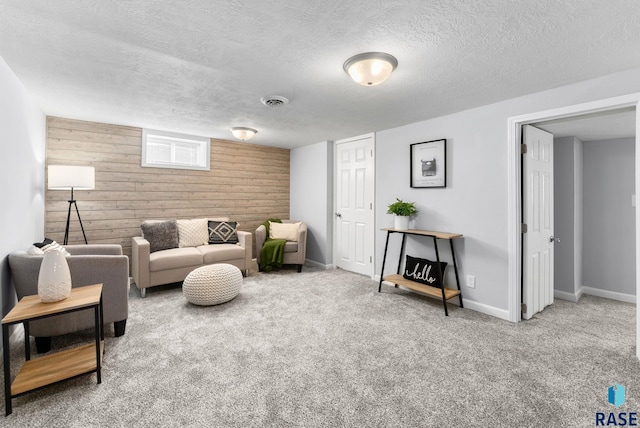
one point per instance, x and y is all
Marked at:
(354, 220)
(537, 175)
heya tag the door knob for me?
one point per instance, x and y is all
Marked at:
(339, 215)
(553, 238)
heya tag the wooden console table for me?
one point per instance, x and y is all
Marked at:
(59, 366)
(397, 278)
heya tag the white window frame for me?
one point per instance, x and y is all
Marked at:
(203, 144)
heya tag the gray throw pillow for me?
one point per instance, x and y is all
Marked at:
(161, 234)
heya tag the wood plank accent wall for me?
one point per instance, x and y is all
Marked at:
(247, 183)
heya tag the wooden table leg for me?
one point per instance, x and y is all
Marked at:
(27, 344)
(7, 369)
(439, 269)
(384, 259)
(455, 269)
(98, 356)
(404, 240)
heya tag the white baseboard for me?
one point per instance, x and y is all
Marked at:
(622, 297)
(564, 295)
(471, 304)
(318, 264)
(503, 314)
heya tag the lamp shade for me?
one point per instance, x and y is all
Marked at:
(242, 133)
(64, 177)
(371, 68)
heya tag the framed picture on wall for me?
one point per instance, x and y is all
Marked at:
(428, 164)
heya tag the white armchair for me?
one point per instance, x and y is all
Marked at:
(294, 252)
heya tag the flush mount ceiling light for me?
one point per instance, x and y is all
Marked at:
(371, 68)
(242, 133)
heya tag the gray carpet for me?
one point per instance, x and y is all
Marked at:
(323, 349)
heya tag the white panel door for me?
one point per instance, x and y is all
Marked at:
(354, 204)
(537, 173)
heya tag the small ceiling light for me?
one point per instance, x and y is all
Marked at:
(242, 133)
(371, 68)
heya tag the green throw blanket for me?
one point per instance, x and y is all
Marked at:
(272, 253)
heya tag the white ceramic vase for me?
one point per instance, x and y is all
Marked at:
(401, 222)
(54, 279)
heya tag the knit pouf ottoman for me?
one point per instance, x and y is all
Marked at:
(212, 284)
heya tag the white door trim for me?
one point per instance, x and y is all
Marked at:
(371, 226)
(514, 196)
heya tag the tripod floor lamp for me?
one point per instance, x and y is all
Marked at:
(70, 177)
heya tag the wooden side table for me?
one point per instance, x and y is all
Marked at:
(443, 293)
(59, 366)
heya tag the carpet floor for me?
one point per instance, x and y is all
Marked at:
(324, 349)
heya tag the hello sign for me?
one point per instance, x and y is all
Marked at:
(423, 271)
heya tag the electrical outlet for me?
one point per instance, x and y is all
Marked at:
(471, 281)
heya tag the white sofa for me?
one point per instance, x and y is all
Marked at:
(151, 268)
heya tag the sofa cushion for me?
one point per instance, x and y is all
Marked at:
(174, 258)
(221, 253)
(223, 232)
(192, 233)
(161, 234)
(290, 247)
(286, 231)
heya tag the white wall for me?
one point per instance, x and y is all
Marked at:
(475, 200)
(564, 168)
(311, 194)
(22, 153)
(609, 218)
(578, 208)
(473, 203)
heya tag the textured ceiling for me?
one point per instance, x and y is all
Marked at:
(201, 66)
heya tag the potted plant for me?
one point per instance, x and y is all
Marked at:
(402, 211)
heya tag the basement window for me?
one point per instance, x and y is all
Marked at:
(162, 149)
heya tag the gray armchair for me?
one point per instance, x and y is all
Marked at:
(89, 264)
(295, 253)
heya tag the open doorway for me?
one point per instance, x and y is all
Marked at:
(594, 205)
(514, 184)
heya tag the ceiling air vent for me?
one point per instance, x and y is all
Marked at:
(274, 100)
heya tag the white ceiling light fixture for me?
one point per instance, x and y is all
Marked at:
(243, 133)
(370, 68)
